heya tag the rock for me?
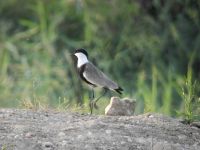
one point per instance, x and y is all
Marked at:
(29, 134)
(108, 131)
(118, 107)
(196, 124)
(61, 134)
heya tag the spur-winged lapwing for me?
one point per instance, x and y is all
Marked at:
(93, 76)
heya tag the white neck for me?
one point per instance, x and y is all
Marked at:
(82, 59)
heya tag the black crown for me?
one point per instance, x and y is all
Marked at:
(81, 50)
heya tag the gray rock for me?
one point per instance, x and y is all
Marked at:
(118, 107)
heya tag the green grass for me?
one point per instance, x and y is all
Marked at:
(144, 51)
(191, 103)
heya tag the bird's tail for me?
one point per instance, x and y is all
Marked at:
(119, 90)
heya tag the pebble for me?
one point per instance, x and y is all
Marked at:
(47, 145)
(89, 133)
(61, 134)
(64, 143)
(29, 134)
(80, 137)
(108, 131)
(16, 136)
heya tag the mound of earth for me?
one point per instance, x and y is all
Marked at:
(48, 130)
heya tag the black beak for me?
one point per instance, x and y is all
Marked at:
(73, 56)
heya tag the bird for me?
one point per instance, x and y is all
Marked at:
(93, 76)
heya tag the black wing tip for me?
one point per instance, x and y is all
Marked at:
(119, 90)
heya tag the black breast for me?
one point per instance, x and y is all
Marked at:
(81, 71)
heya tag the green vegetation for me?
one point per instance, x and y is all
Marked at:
(144, 45)
(191, 109)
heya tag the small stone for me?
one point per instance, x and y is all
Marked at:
(89, 133)
(61, 134)
(80, 137)
(108, 131)
(47, 145)
(140, 140)
(64, 143)
(16, 136)
(150, 116)
(29, 134)
(120, 107)
(196, 124)
(129, 139)
(86, 146)
(122, 142)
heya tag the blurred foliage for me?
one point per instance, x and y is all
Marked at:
(145, 45)
(191, 103)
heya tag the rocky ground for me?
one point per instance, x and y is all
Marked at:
(48, 130)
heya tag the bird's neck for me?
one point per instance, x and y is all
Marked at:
(82, 59)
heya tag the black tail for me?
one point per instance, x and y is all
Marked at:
(119, 90)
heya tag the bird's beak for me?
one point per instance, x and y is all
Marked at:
(72, 54)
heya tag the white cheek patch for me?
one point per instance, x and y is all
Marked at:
(82, 59)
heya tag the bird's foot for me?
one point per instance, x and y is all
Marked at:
(92, 105)
(95, 105)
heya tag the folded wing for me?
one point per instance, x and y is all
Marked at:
(98, 78)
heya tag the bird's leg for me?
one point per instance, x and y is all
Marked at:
(91, 104)
(95, 101)
(92, 93)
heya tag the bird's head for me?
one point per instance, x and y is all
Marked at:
(80, 51)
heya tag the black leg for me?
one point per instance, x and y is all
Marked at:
(91, 101)
(92, 93)
(91, 107)
(95, 101)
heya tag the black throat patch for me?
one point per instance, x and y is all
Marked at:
(80, 71)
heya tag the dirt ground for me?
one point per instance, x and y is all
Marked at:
(48, 130)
